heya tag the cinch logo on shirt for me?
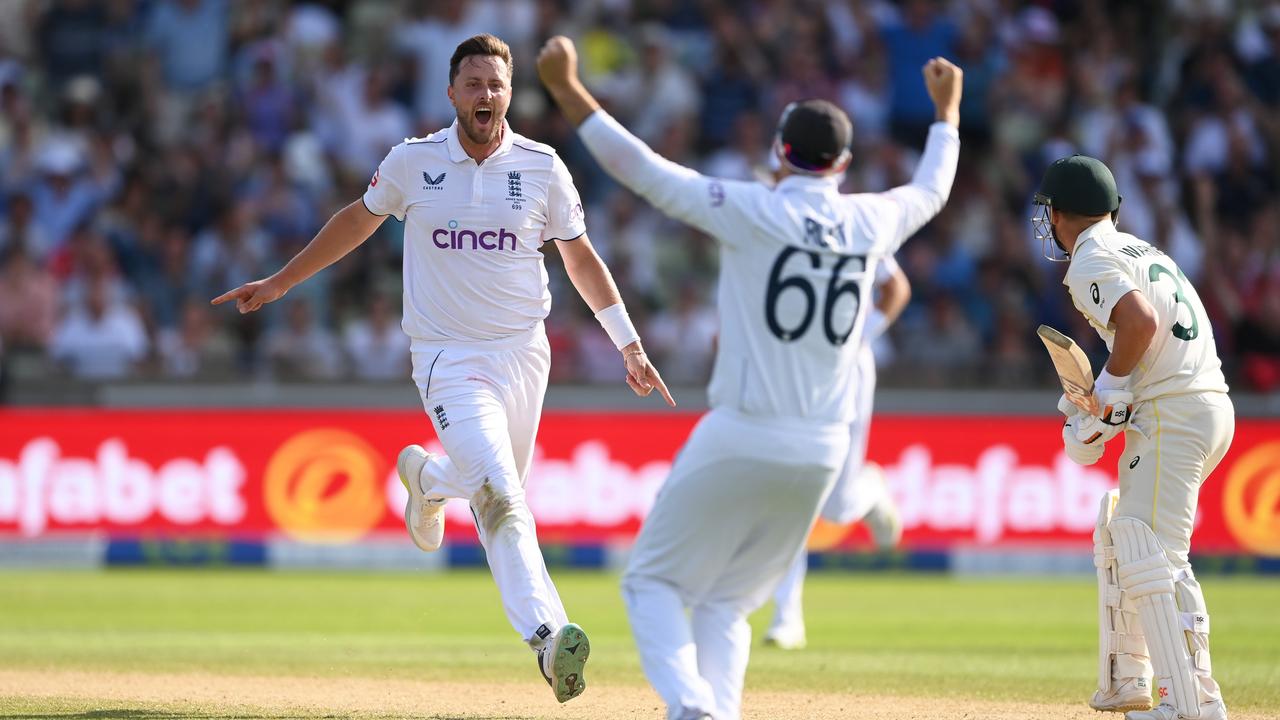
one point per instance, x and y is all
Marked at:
(455, 239)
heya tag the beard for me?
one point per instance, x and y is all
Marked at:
(481, 133)
(1053, 233)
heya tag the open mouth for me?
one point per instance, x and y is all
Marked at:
(484, 116)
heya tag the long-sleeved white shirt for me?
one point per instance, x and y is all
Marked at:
(797, 266)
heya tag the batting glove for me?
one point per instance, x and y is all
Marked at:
(1080, 452)
(1117, 406)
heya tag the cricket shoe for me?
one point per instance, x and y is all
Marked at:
(1216, 710)
(1132, 694)
(788, 636)
(562, 661)
(423, 517)
(883, 520)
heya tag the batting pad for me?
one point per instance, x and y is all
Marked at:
(1146, 575)
(1122, 649)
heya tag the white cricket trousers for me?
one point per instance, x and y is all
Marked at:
(740, 501)
(1171, 445)
(485, 403)
(853, 496)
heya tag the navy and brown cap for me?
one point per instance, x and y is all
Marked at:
(1079, 184)
(814, 135)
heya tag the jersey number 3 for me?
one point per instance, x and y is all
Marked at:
(835, 288)
(1180, 331)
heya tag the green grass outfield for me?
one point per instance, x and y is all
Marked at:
(914, 636)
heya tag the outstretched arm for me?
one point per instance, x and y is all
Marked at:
(344, 232)
(678, 191)
(591, 278)
(927, 193)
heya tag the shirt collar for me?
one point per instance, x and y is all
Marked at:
(1102, 228)
(456, 152)
(809, 182)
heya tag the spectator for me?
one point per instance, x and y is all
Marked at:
(28, 301)
(70, 39)
(20, 229)
(102, 339)
(302, 350)
(377, 349)
(684, 337)
(747, 155)
(925, 31)
(369, 123)
(190, 39)
(268, 104)
(658, 93)
(944, 347)
(429, 37)
(195, 347)
(232, 253)
(166, 182)
(1259, 345)
(65, 196)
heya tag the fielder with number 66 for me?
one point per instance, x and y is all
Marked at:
(1163, 388)
(797, 263)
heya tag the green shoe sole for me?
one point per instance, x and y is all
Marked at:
(571, 653)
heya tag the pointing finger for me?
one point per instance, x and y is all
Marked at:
(662, 387)
(229, 295)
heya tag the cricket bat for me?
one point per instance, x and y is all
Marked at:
(1073, 368)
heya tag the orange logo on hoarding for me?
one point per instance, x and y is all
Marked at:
(1251, 499)
(826, 535)
(324, 486)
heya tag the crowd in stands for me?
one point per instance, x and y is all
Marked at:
(155, 153)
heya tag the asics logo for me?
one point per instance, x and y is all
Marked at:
(454, 239)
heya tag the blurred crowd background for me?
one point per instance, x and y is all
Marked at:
(155, 153)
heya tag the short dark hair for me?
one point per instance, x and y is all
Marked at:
(483, 44)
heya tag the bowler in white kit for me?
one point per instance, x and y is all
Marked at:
(1162, 387)
(478, 201)
(797, 263)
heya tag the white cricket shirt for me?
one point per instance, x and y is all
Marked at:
(472, 270)
(797, 264)
(1182, 358)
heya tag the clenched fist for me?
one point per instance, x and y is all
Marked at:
(558, 63)
(944, 80)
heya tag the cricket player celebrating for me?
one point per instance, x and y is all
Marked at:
(478, 201)
(1163, 387)
(860, 492)
(797, 263)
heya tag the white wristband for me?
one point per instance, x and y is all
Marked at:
(617, 323)
(1107, 381)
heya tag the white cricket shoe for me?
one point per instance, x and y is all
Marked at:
(883, 520)
(788, 636)
(1216, 710)
(1132, 694)
(424, 518)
